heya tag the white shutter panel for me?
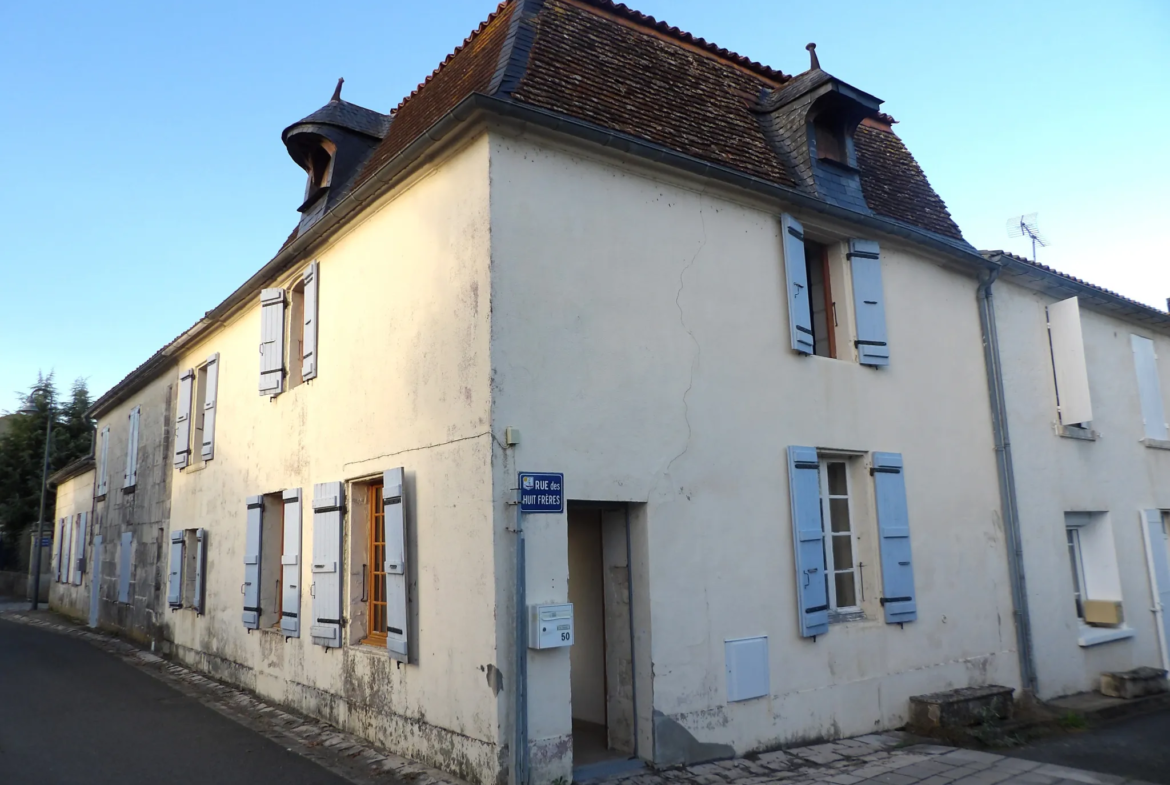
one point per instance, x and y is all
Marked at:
(104, 454)
(208, 448)
(252, 546)
(328, 504)
(59, 541)
(183, 419)
(869, 303)
(1068, 362)
(309, 334)
(393, 507)
(131, 476)
(79, 552)
(200, 570)
(1149, 388)
(271, 341)
(175, 578)
(67, 565)
(1158, 563)
(796, 274)
(290, 561)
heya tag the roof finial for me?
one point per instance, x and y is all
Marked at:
(812, 53)
(341, 81)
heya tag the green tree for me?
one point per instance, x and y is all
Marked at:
(22, 453)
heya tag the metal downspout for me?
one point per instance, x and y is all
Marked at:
(1007, 481)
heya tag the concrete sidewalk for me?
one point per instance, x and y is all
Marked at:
(882, 759)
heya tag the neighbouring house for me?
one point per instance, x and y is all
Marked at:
(69, 556)
(1084, 372)
(724, 301)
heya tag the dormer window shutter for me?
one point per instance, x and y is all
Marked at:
(183, 419)
(312, 279)
(799, 310)
(869, 304)
(207, 450)
(271, 341)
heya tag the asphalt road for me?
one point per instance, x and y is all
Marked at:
(71, 714)
(1137, 747)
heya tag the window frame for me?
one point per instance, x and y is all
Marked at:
(375, 565)
(831, 570)
(195, 432)
(817, 254)
(1077, 564)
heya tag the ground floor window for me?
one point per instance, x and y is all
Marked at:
(840, 549)
(376, 570)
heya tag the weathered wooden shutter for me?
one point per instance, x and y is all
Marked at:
(252, 553)
(869, 303)
(125, 560)
(1158, 563)
(208, 448)
(59, 541)
(79, 551)
(1149, 387)
(799, 309)
(271, 341)
(67, 541)
(1068, 362)
(290, 561)
(808, 536)
(309, 334)
(103, 485)
(131, 476)
(328, 504)
(394, 509)
(200, 570)
(889, 485)
(183, 419)
(175, 578)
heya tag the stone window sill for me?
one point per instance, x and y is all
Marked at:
(1156, 444)
(1073, 432)
(1094, 636)
(842, 617)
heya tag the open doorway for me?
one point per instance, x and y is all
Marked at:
(601, 659)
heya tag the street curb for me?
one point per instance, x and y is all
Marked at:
(349, 757)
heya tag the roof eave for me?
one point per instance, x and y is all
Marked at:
(71, 470)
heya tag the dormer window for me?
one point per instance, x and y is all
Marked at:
(829, 137)
(320, 170)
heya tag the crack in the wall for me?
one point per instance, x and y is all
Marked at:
(698, 349)
(422, 447)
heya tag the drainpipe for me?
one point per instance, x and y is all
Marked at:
(1007, 480)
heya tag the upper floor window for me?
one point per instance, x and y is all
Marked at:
(1069, 367)
(297, 307)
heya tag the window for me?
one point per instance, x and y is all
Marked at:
(103, 463)
(840, 566)
(1073, 533)
(197, 418)
(130, 479)
(376, 581)
(829, 135)
(263, 572)
(296, 337)
(188, 567)
(380, 613)
(820, 299)
(1096, 582)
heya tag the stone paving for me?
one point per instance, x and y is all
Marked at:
(881, 759)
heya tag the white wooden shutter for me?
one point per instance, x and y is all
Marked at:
(125, 560)
(290, 561)
(328, 504)
(1158, 564)
(207, 450)
(796, 274)
(67, 561)
(200, 570)
(869, 303)
(183, 419)
(252, 553)
(1068, 362)
(271, 341)
(103, 485)
(59, 541)
(131, 476)
(397, 580)
(79, 551)
(175, 578)
(1149, 387)
(309, 334)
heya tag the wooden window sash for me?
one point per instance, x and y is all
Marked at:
(376, 569)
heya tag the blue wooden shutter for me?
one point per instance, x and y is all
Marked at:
(207, 450)
(869, 303)
(131, 476)
(252, 546)
(271, 341)
(290, 560)
(200, 570)
(312, 277)
(328, 503)
(894, 530)
(799, 311)
(125, 560)
(175, 578)
(103, 485)
(397, 615)
(183, 419)
(79, 556)
(812, 591)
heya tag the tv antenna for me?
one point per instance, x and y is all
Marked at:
(1027, 226)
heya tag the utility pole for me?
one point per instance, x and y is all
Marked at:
(36, 593)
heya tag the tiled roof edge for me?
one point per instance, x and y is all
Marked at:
(517, 47)
(1139, 310)
(71, 470)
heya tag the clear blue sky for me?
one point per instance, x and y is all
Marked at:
(146, 178)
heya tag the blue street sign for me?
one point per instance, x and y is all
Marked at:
(542, 492)
(46, 542)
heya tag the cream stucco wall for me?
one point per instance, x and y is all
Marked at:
(74, 496)
(1054, 475)
(404, 380)
(640, 344)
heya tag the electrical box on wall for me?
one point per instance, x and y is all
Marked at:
(550, 626)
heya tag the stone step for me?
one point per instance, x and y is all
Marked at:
(960, 708)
